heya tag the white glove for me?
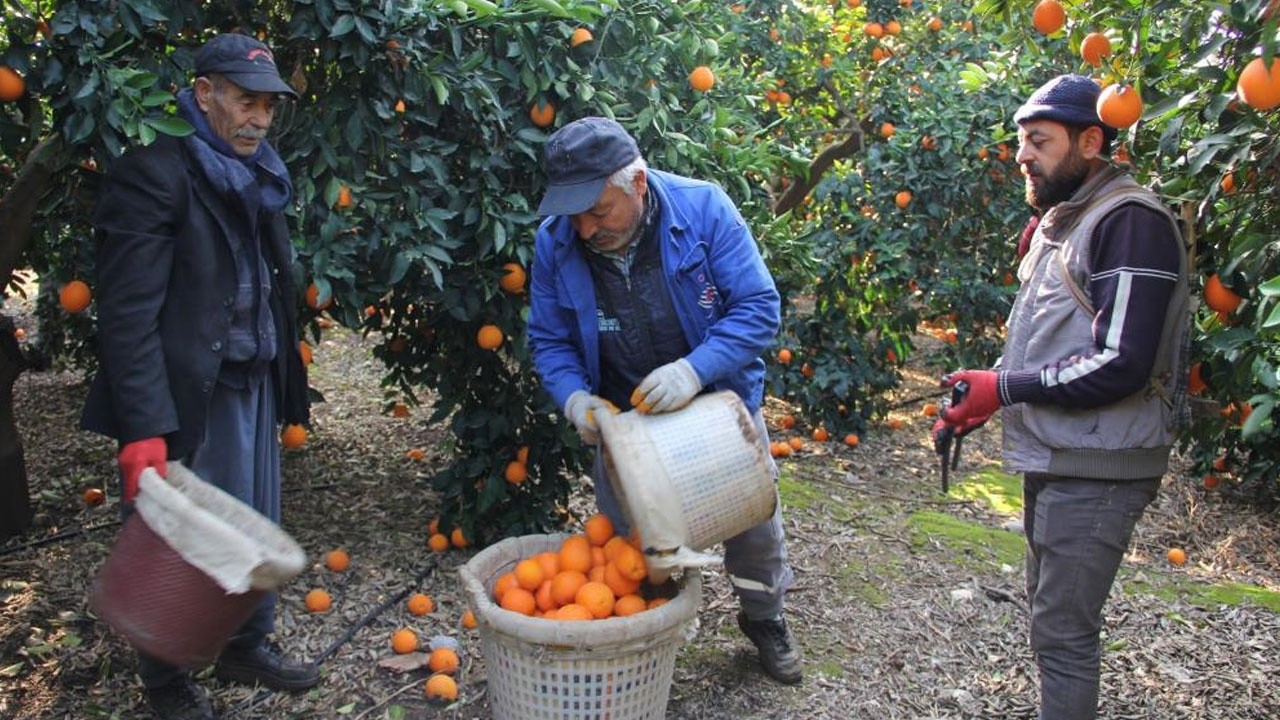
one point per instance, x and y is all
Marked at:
(581, 408)
(667, 388)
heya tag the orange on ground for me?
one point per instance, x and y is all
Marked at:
(542, 113)
(337, 560)
(1210, 481)
(1048, 16)
(629, 604)
(598, 528)
(416, 454)
(1219, 297)
(468, 620)
(895, 423)
(94, 497)
(404, 641)
(458, 539)
(1259, 84)
(75, 296)
(820, 434)
(786, 422)
(420, 604)
(1119, 105)
(565, 585)
(433, 526)
(293, 437)
(318, 601)
(517, 599)
(1220, 463)
(400, 410)
(1177, 556)
(513, 278)
(701, 79)
(516, 472)
(12, 86)
(597, 598)
(443, 660)
(489, 337)
(930, 409)
(313, 298)
(580, 35)
(796, 443)
(1094, 47)
(441, 687)
(438, 542)
(902, 199)
(852, 440)
(304, 349)
(575, 553)
(529, 574)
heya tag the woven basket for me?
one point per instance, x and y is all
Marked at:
(688, 479)
(618, 668)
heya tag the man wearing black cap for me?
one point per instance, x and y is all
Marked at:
(1090, 380)
(647, 289)
(198, 339)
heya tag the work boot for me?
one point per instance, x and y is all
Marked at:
(265, 666)
(778, 653)
(180, 700)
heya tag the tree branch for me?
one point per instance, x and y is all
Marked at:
(18, 206)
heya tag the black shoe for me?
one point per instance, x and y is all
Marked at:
(265, 666)
(778, 653)
(180, 700)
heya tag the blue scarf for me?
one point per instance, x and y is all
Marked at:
(232, 174)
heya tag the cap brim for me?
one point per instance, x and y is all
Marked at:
(261, 83)
(571, 199)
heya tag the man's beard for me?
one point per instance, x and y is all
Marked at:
(1059, 185)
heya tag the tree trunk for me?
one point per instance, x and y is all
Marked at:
(15, 497)
(19, 204)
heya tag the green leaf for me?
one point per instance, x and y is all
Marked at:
(1260, 419)
(170, 125)
(344, 25)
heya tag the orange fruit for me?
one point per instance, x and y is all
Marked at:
(337, 560)
(438, 542)
(575, 553)
(930, 409)
(1228, 183)
(565, 585)
(549, 562)
(935, 24)
(1195, 380)
(1177, 556)
(519, 600)
(400, 107)
(404, 641)
(523, 454)
(516, 472)
(1220, 463)
(796, 443)
(542, 113)
(443, 660)
(1094, 47)
(293, 437)
(1048, 16)
(573, 611)
(75, 296)
(631, 564)
(344, 197)
(400, 410)
(852, 440)
(313, 298)
(318, 601)
(513, 279)
(529, 574)
(441, 687)
(629, 604)
(489, 337)
(701, 79)
(420, 604)
(873, 29)
(779, 449)
(542, 597)
(597, 598)
(655, 602)
(613, 547)
(887, 130)
(820, 434)
(617, 583)
(304, 349)
(1210, 481)
(1119, 106)
(468, 620)
(598, 529)
(94, 497)
(784, 356)
(786, 422)
(433, 526)
(580, 35)
(902, 199)
(458, 539)
(1259, 84)
(1219, 297)
(12, 86)
(415, 454)
(895, 423)
(505, 582)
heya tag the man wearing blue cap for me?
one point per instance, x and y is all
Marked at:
(197, 325)
(1091, 380)
(649, 285)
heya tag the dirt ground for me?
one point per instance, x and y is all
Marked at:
(908, 603)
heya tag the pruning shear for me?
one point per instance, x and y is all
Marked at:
(946, 442)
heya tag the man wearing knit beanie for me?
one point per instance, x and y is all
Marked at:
(1091, 382)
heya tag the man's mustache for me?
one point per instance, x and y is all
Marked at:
(251, 133)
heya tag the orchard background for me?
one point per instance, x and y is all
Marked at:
(868, 143)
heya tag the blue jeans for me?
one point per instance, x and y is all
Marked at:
(755, 559)
(1077, 533)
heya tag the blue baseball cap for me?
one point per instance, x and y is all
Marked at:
(1068, 99)
(578, 159)
(244, 61)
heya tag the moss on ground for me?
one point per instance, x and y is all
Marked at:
(997, 490)
(976, 545)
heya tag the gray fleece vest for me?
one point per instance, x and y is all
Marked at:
(1051, 319)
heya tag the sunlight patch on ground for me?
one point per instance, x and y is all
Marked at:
(1206, 595)
(997, 490)
(973, 541)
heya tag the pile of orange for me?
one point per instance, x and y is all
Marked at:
(593, 575)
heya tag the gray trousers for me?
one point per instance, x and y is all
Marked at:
(755, 559)
(1077, 533)
(239, 454)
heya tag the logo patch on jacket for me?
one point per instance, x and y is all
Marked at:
(707, 298)
(607, 324)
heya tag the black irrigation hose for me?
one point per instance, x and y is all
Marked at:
(346, 636)
(58, 537)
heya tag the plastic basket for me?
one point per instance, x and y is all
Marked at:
(688, 479)
(189, 568)
(540, 669)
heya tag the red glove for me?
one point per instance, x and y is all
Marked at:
(979, 403)
(138, 456)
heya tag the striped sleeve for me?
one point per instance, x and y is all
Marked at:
(1135, 272)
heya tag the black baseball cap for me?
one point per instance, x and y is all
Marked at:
(244, 61)
(578, 159)
(1068, 99)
